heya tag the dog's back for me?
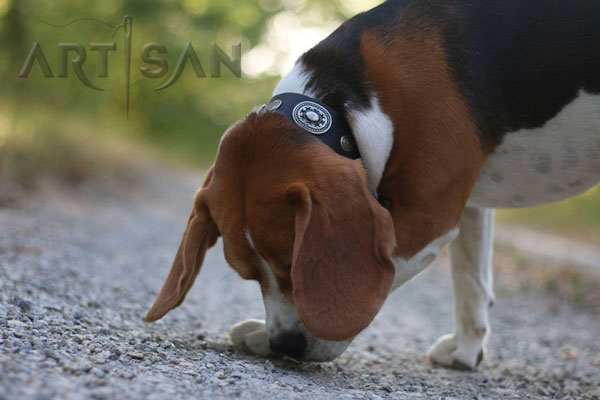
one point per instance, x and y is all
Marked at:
(529, 72)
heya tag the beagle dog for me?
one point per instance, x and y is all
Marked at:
(394, 136)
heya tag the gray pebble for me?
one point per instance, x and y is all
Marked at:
(13, 323)
(543, 391)
(24, 305)
(269, 366)
(51, 354)
(40, 324)
(136, 356)
(98, 372)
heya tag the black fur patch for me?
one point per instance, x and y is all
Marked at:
(339, 73)
(517, 62)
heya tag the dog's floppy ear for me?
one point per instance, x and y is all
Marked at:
(342, 269)
(200, 234)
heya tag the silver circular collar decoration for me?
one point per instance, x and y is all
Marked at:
(312, 117)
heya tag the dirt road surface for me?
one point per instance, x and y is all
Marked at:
(79, 269)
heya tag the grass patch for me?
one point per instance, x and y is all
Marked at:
(516, 271)
(578, 217)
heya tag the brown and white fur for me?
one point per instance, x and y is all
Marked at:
(304, 221)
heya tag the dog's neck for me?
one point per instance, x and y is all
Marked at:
(371, 128)
(420, 149)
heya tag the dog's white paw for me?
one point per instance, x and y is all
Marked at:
(458, 354)
(251, 336)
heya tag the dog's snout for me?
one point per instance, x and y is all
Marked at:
(289, 344)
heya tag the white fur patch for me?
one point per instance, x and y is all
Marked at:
(281, 313)
(374, 134)
(282, 317)
(407, 269)
(295, 81)
(547, 164)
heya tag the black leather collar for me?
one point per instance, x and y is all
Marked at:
(330, 127)
(324, 123)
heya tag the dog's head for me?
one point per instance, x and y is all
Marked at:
(299, 219)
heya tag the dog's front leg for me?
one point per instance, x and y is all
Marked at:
(471, 261)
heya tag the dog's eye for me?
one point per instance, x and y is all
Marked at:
(385, 202)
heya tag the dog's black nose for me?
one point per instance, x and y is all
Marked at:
(289, 344)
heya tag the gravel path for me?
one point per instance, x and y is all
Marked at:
(552, 249)
(79, 269)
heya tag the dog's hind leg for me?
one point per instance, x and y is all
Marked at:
(471, 262)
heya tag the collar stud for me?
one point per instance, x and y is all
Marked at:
(313, 116)
(274, 105)
(346, 143)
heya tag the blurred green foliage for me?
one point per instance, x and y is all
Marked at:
(186, 119)
(578, 217)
